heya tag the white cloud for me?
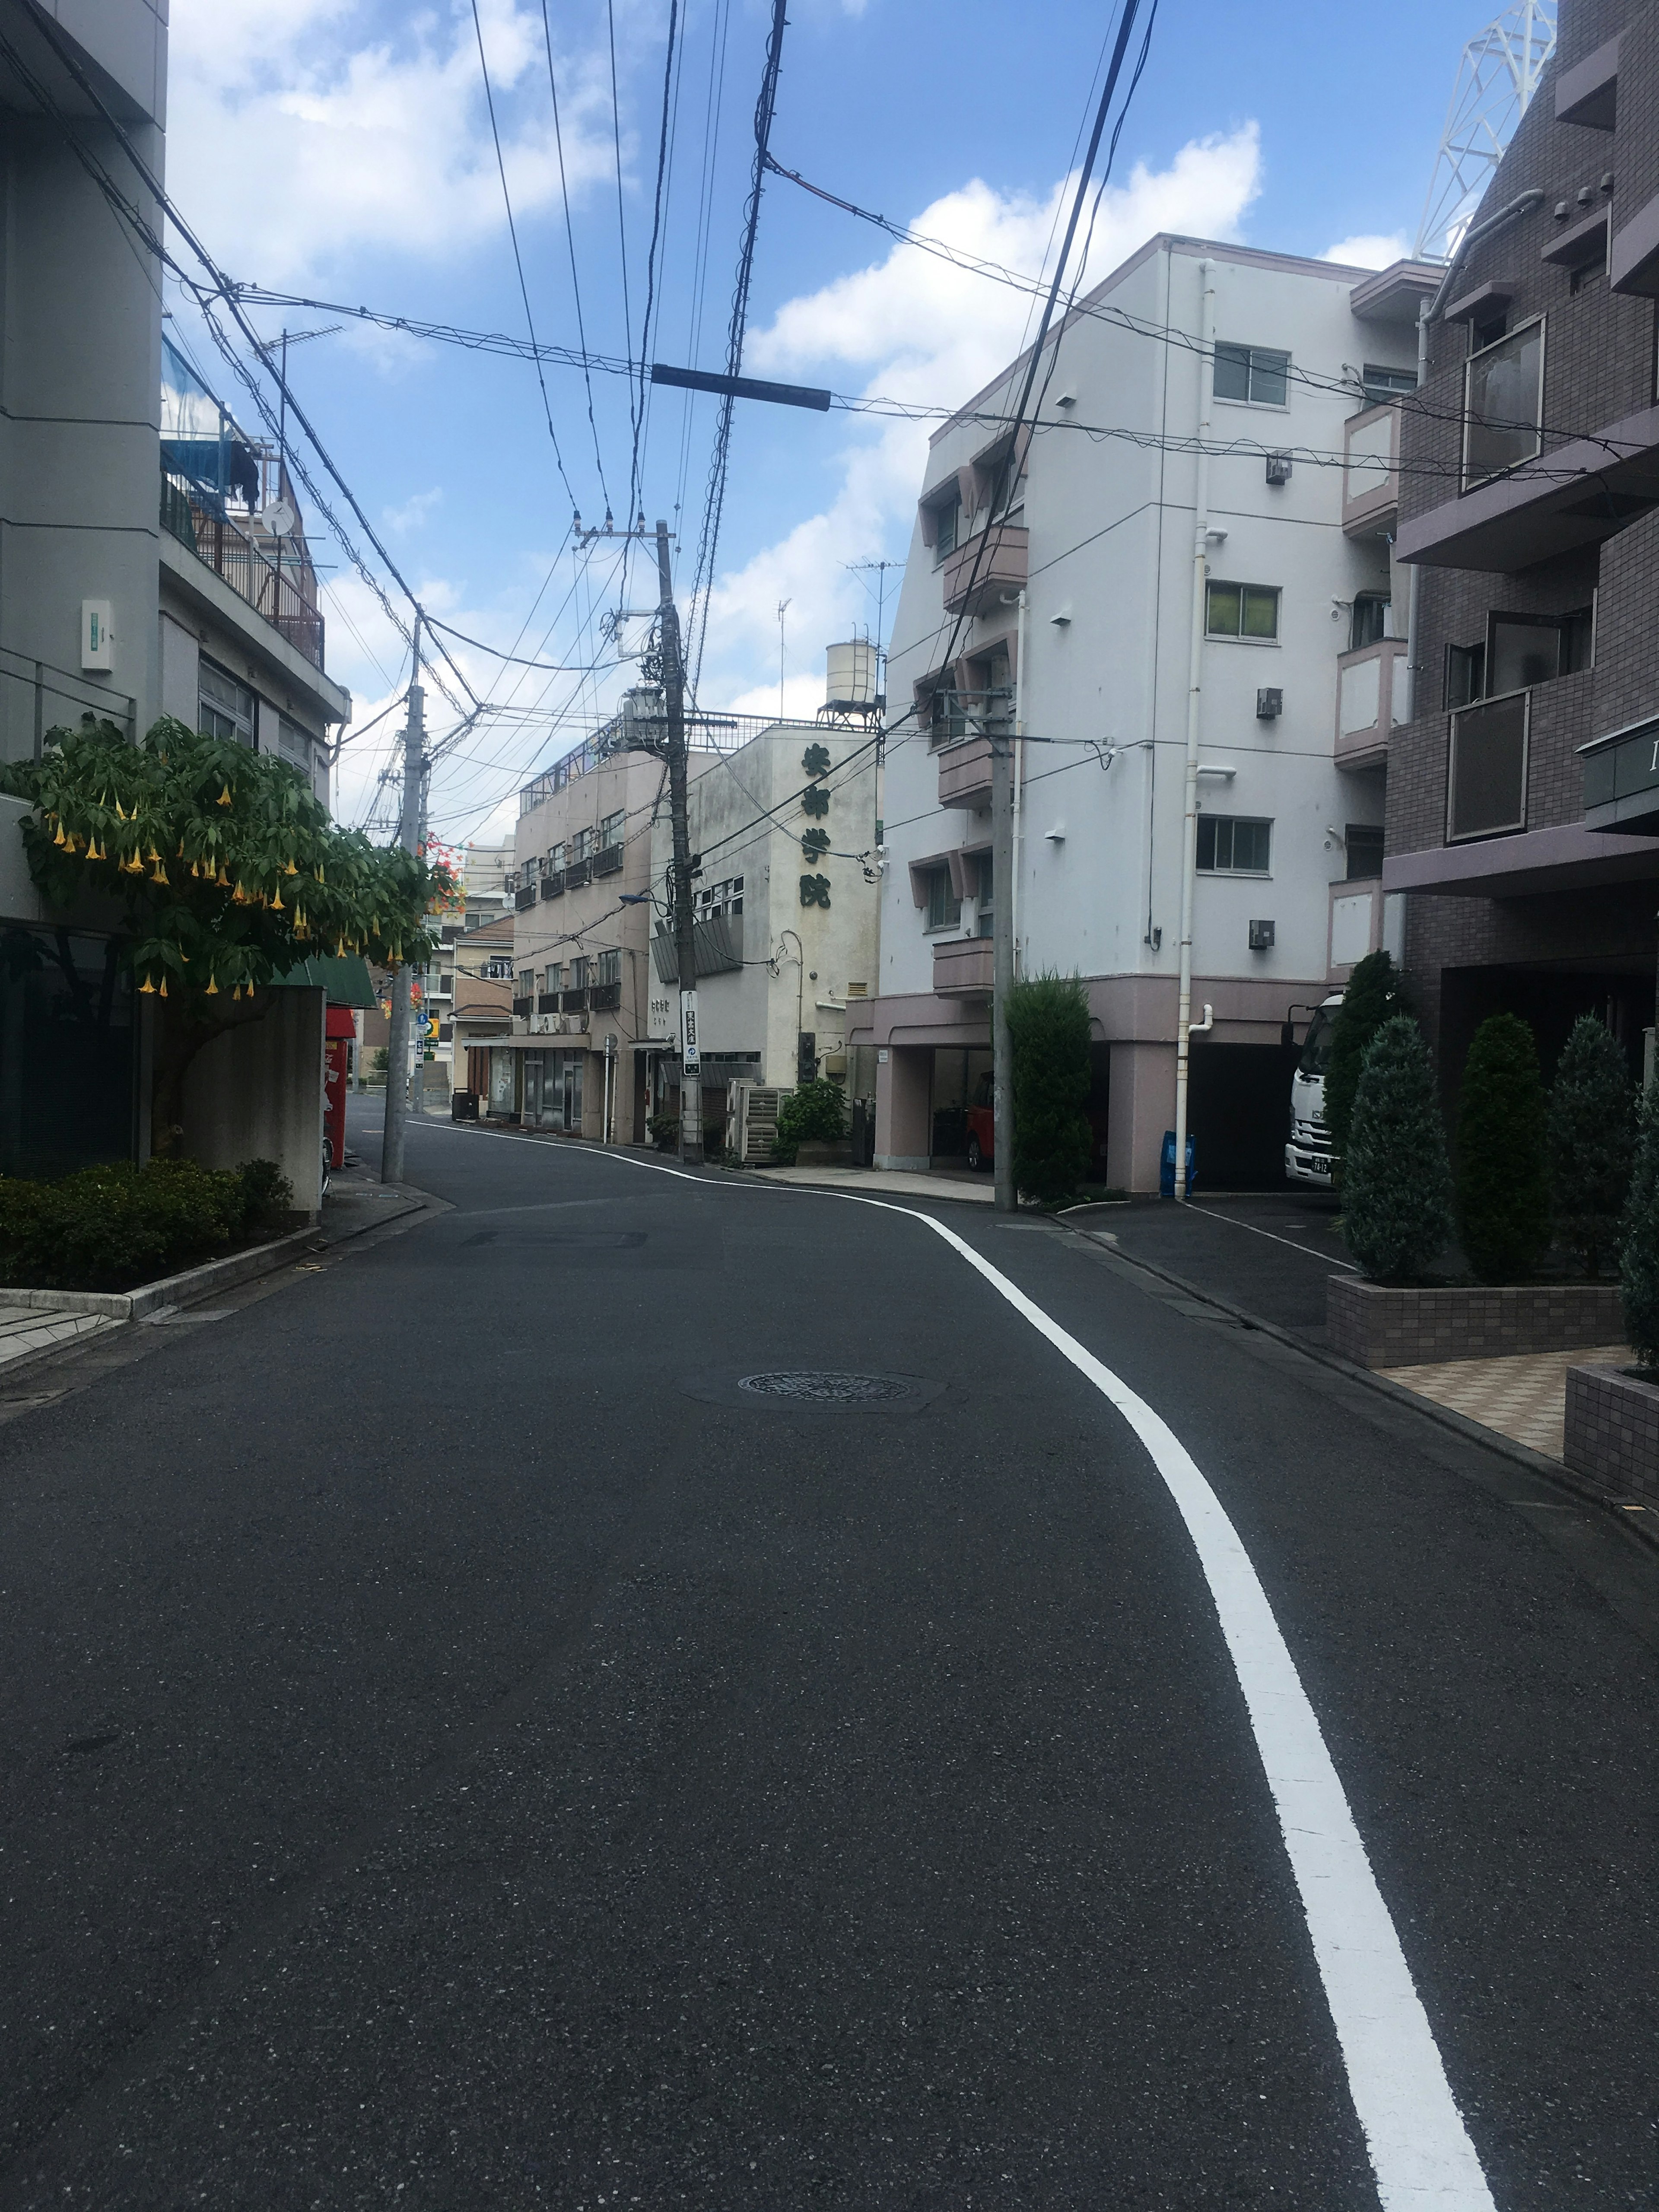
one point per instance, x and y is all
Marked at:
(1370, 249)
(303, 132)
(412, 514)
(920, 329)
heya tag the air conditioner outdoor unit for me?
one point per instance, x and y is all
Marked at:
(572, 1024)
(545, 1025)
(1261, 937)
(1279, 468)
(1269, 704)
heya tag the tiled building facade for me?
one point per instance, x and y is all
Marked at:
(1523, 792)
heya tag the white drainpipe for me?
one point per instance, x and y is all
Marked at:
(1019, 775)
(1194, 699)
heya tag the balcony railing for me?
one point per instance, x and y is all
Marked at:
(608, 860)
(285, 597)
(1371, 470)
(524, 896)
(522, 1007)
(574, 1002)
(604, 997)
(1371, 702)
(578, 873)
(547, 1002)
(553, 883)
(964, 968)
(964, 774)
(985, 566)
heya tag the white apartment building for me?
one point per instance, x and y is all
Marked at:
(1093, 516)
(785, 826)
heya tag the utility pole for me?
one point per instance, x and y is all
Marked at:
(400, 1044)
(679, 880)
(1002, 970)
(1195, 720)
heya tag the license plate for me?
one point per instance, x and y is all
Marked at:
(1320, 1167)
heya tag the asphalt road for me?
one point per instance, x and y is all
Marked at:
(464, 1750)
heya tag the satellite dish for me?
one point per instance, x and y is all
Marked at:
(278, 518)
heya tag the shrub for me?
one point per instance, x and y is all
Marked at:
(1049, 1028)
(1396, 1190)
(1591, 1139)
(106, 1228)
(1374, 995)
(1639, 1254)
(664, 1130)
(379, 1062)
(813, 1113)
(1502, 1169)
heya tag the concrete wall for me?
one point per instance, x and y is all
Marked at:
(257, 1093)
(80, 373)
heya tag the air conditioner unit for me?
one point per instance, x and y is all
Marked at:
(1279, 468)
(1261, 937)
(571, 1024)
(545, 1025)
(1269, 703)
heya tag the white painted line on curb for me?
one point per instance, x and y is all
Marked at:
(1312, 1251)
(1420, 2149)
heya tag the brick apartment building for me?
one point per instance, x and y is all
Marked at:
(1522, 812)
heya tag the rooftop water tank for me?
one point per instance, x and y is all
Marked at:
(852, 685)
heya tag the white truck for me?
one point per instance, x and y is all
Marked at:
(1308, 1156)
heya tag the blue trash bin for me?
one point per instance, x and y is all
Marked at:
(1166, 1169)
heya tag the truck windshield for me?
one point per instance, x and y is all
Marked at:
(1317, 1052)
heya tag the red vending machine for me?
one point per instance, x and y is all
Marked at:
(341, 1035)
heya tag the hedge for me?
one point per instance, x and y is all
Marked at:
(109, 1227)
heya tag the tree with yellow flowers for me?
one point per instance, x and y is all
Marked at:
(229, 869)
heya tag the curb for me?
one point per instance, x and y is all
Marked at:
(1445, 1417)
(171, 1290)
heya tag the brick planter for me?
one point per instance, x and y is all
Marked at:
(1377, 1326)
(1612, 1438)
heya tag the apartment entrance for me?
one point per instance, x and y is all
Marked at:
(553, 1092)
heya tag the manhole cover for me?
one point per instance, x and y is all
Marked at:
(818, 1388)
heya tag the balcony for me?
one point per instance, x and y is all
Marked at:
(574, 1002)
(577, 874)
(547, 1002)
(524, 896)
(1371, 701)
(1572, 496)
(965, 969)
(604, 997)
(285, 597)
(1371, 470)
(608, 860)
(553, 883)
(985, 566)
(522, 1007)
(964, 773)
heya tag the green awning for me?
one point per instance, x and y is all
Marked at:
(345, 981)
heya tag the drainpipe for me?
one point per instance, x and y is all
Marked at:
(1019, 778)
(1194, 699)
(1424, 310)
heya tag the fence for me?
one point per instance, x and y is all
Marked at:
(282, 596)
(37, 693)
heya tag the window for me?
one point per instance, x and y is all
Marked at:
(607, 969)
(1243, 611)
(1519, 651)
(611, 831)
(723, 898)
(1465, 674)
(985, 903)
(1504, 400)
(1252, 373)
(944, 907)
(1370, 620)
(947, 718)
(1380, 384)
(1363, 841)
(224, 707)
(553, 976)
(555, 858)
(1233, 844)
(992, 698)
(581, 846)
(947, 517)
(1486, 787)
(581, 972)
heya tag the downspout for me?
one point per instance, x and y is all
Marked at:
(1020, 774)
(1424, 310)
(1194, 701)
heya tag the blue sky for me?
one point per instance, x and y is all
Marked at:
(341, 149)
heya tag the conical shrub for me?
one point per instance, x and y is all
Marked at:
(1503, 1171)
(1374, 995)
(1048, 1030)
(1639, 1254)
(1396, 1186)
(1591, 1141)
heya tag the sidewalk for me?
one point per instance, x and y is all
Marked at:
(932, 1182)
(1270, 1255)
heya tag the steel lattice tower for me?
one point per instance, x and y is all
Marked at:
(1496, 81)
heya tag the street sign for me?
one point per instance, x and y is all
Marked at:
(690, 1056)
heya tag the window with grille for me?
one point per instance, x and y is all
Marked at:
(1252, 373)
(947, 522)
(610, 830)
(581, 973)
(607, 969)
(944, 907)
(224, 707)
(1234, 844)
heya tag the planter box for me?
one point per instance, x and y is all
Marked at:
(150, 1298)
(1377, 1326)
(815, 1154)
(1612, 1439)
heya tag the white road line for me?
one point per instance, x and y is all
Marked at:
(1420, 2149)
(1312, 1251)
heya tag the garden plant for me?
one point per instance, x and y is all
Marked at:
(1592, 1135)
(1396, 1188)
(108, 1227)
(1049, 1030)
(814, 1113)
(1638, 1251)
(1374, 995)
(1503, 1165)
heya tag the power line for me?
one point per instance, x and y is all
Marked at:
(621, 226)
(517, 258)
(570, 242)
(651, 256)
(703, 576)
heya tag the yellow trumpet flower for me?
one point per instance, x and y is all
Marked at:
(277, 903)
(224, 796)
(147, 988)
(212, 990)
(163, 992)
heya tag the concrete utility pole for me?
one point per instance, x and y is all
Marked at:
(1002, 968)
(399, 1045)
(679, 879)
